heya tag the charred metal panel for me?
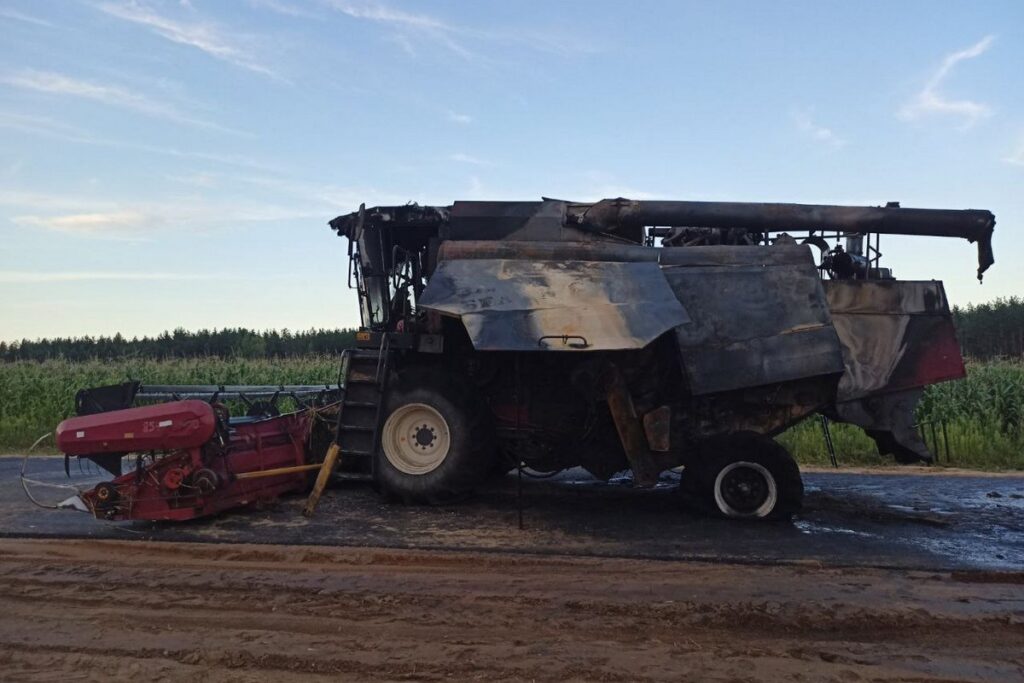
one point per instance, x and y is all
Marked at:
(889, 297)
(758, 316)
(767, 409)
(798, 256)
(896, 335)
(658, 429)
(547, 251)
(530, 305)
(518, 221)
(889, 420)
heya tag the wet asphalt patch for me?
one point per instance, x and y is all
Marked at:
(914, 521)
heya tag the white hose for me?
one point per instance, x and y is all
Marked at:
(25, 481)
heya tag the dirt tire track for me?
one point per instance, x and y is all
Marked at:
(102, 610)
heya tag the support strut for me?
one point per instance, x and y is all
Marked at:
(321, 479)
(644, 464)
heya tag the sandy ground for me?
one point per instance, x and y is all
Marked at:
(938, 471)
(113, 610)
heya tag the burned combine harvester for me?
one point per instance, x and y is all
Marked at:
(557, 334)
(640, 335)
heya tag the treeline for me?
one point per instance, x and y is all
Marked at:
(993, 329)
(227, 343)
(986, 331)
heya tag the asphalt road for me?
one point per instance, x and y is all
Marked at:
(926, 521)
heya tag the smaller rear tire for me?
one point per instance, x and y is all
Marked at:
(744, 476)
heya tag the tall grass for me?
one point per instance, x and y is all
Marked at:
(972, 444)
(983, 413)
(983, 416)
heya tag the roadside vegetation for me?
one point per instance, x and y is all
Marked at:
(35, 396)
(975, 423)
(983, 414)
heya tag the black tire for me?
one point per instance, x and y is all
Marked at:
(470, 455)
(744, 476)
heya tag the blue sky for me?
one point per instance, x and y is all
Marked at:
(174, 163)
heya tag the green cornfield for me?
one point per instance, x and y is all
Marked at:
(977, 423)
(982, 415)
(35, 396)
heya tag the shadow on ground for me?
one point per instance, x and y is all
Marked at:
(881, 520)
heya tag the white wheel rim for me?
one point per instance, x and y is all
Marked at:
(734, 468)
(416, 439)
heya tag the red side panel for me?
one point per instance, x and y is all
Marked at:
(161, 427)
(896, 335)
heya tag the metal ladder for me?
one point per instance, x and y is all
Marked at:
(363, 381)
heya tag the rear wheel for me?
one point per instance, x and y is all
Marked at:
(745, 476)
(745, 489)
(435, 444)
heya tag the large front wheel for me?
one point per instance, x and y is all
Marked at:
(435, 445)
(416, 439)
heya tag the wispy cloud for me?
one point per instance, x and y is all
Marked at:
(931, 101)
(29, 277)
(124, 224)
(317, 198)
(41, 125)
(59, 84)
(12, 169)
(456, 38)
(94, 217)
(284, 7)
(141, 220)
(1016, 157)
(468, 159)
(203, 179)
(423, 25)
(403, 42)
(112, 95)
(202, 36)
(15, 15)
(49, 201)
(825, 136)
(57, 130)
(456, 117)
(375, 11)
(476, 188)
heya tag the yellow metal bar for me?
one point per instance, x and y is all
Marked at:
(321, 479)
(256, 474)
